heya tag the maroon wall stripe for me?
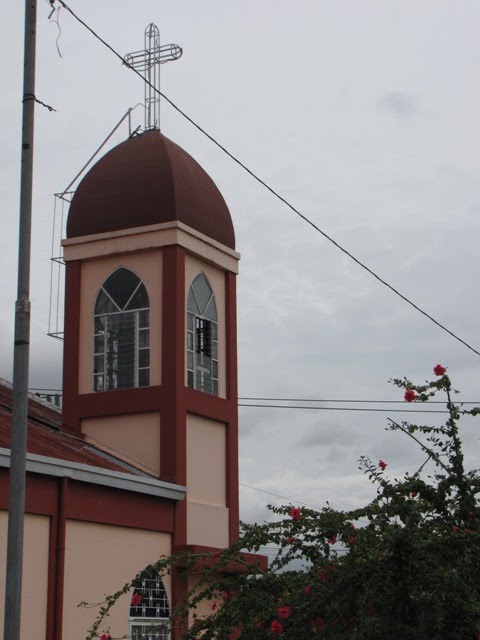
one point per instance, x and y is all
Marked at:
(71, 343)
(60, 557)
(232, 395)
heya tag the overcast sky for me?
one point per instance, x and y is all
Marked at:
(365, 115)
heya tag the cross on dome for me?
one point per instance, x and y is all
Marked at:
(148, 62)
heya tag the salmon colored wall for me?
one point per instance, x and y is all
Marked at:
(216, 279)
(148, 266)
(35, 575)
(207, 525)
(133, 437)
(99, 560)
(206, 457)
(204, 607)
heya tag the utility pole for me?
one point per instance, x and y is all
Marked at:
(16, 507)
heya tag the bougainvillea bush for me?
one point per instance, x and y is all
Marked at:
(405, 566)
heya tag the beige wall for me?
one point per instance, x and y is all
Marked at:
(207, 525)
(216, 279)
(99, 560)
(133, 437)
(206, 459)
(35, 575)
(207, 515)
(148, 266)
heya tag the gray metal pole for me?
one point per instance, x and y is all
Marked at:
(16, 509)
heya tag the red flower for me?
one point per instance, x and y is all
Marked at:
(322, 576)
(213, 606)
(290, 540)
(284, 612)
(332, 539)
(383, 465)
(352, 540)
(410, 395)
(295, 514)
(136, 600)
(276, 628)
(105, 636)
(225, 595)
(308, 589)
(438, 370)
(455, 528)
(317, 624)
(413, 494)
(260, 625)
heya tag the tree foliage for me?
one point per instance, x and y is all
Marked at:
(407, 565)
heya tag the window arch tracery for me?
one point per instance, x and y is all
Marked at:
(150, 611)
(121, 333)
(202, 337)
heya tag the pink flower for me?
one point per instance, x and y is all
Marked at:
(295, 514)
(284, 612)
(383, 465)
(276, 628)
(438, 370)
(136, 600)
(410, 395)
(317, 624)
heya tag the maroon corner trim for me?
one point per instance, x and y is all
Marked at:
(51, 592)
(207, 406)
(60, 558)
(232, 395)
(71, 343)
(250, 560)
(173, 445)
(118, 401)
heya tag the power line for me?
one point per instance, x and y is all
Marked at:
(366, 409)
(269, 188)
(265, 399)
(278, 495)
(342, 401)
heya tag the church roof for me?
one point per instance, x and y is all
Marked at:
(46, 438)
(146, 180)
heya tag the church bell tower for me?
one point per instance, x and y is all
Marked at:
(150, 360)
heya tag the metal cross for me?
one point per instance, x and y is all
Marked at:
(148, 62)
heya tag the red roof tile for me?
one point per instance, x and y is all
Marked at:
(46, 438)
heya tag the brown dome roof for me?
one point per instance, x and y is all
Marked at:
(148, 179)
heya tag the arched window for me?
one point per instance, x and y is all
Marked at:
(122, 333)
(202, 337)
(149, 611)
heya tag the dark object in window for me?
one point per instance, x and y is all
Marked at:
(202, 337)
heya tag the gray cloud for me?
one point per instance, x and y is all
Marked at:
(398, 104)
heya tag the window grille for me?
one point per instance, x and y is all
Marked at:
(150, 611)
(121, 352)
(202, 337)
